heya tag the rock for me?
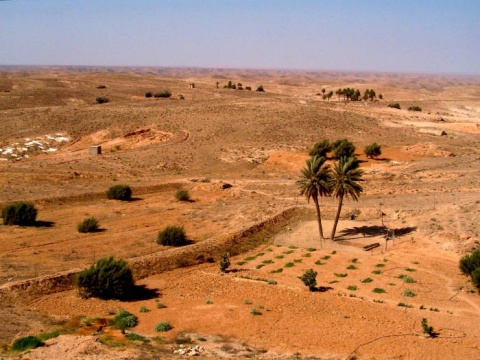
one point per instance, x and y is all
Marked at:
(226, 186)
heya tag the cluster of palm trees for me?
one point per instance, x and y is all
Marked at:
(356, 95)
(318, 179)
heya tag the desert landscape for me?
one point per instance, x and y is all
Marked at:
(239, 153)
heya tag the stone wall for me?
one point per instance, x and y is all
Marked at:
(208, 250)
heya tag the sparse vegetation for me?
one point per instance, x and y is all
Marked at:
(379, 291)
(367, 280)
(373, 150)
(21, 213)
(182, 195)
(260, 89)
(163, 326)
(414, 108)
(470, 266)
(148, 94)
(255, 312)
(343, 148)
(124, 320)
(321, 148)
(428, 329)
(108, 278)
(26, 343)
(224, 262)
(172, 236)
(309, 278)
(352, 288)
(408, 293)
(394, 106)
(119, 192)
(102, 100)
(88, 225)
(163, 94)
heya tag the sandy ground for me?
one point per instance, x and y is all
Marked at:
(425, 184)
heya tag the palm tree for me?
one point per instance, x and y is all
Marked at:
(314, 182)
(344, 183)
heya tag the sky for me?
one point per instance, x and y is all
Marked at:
(420, 36)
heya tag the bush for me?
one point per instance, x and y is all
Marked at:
(19, 213)
(172, 236)
(394, 106)
(343, 147)
(120, 192)
(102, 100)
(249, 88)
(476, 277)
(26, 343)
(182, 195)
(224, 262)
(148, 94)
(414, 108)
(470, 262)
(125, 319)
(260, 89)
(88, 225)
(309, 278)
(321, 148)
(101, 87)
(107, 279)
(427, 329)
(163, 94)
(373, 150)
(163, 326)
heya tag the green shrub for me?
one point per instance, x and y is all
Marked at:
(19, 213)
(148, 94)
(427, 329)
(120, 192)
(163, 94)
(476, 277)
(125, 319)
(224, 262)
(407, 279)
(408, 293)
(48, 335)
(352, 287)
(172, 236)
(182, 195)
(343, 148)
(309, 278)
(144, 309)
(163, 327)
(414, 108)
(161, 305)
(367, 280)
(373, 150)
(26, 343)
(136, 337)
(255, 312)
(379, 291)
(321, 148)
(260, 89)
(394, 106)
(108, 278)
(470, 262)
(88, 225)
(405, 305)
(352, 267)
(340, 275)
(102, 100)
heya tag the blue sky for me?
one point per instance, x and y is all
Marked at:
(352, 35)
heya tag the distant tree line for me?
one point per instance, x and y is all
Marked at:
(239, 86)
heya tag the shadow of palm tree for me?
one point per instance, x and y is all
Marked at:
(374, 230)
(364, 231)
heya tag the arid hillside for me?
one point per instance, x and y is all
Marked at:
(423, 191)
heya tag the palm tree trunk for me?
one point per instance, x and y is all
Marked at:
(319, 218)
(337, 216)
